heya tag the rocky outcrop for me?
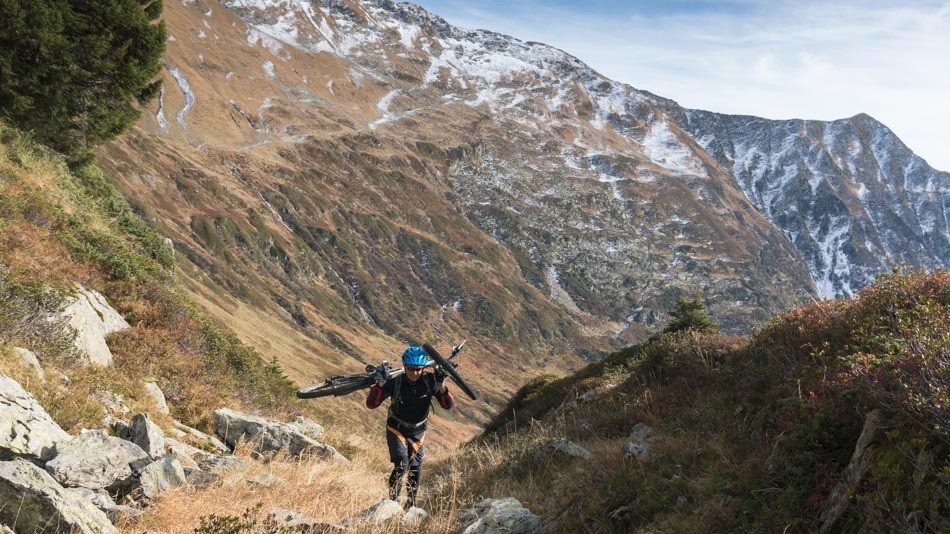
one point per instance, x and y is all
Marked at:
(499, 515)
(93, 459)
(93, 319)
(34, 502)
(160, 476)
(147, 435)
(25, 427)
(268, 437)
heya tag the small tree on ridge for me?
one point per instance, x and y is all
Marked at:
(690, 313)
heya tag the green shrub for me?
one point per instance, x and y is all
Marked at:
(690, 314)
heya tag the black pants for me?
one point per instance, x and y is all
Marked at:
(406, 449)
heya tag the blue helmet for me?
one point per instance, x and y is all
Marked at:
(414, 356)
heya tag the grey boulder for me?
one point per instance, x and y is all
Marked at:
(146, 434)
(636, 449)
(34, 502)
(641, 432)
(268, 437)
(378, 514)
(94, 459)
(160, 476)
(25, 427)
(92, 319)
(499, 515)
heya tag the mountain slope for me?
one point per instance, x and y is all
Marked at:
(833, 418)
(347, 176)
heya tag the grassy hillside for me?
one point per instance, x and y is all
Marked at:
(62, 227)
(750, 434)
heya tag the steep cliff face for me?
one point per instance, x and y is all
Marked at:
(849, 195)
(357, 174)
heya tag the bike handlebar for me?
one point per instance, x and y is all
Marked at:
(392, 372)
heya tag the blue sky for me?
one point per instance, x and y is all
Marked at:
(805, 59)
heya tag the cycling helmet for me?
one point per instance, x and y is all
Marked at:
(414, 356)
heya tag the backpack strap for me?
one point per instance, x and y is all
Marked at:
(397, 395)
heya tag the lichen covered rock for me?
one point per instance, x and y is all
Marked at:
(499, 515)
(267, 436)
(32, 501)
(25, 427)
(94, 459)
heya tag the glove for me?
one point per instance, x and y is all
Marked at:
(380, 375)
(440, 375)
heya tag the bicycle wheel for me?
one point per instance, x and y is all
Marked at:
(336, 386)
(450, 370)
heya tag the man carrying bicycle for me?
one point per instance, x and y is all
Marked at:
(411, 395)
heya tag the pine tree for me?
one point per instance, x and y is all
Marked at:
(690, 313)
(74, 72)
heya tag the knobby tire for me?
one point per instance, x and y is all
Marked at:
(450, 370)
(336, 386)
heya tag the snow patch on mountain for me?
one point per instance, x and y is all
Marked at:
(268, 67)
(160, 114)
(662, 146)
(189, 96)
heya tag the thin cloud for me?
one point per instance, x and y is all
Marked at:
(815, 60)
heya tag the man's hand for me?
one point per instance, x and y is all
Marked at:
(380, 375)
(440, 375)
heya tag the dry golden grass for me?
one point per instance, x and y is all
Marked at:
(327, 491)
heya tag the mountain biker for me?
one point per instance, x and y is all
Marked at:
(411, 395)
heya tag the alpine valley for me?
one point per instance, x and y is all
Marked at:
(340, 177)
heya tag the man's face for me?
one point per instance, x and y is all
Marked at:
(413, 372)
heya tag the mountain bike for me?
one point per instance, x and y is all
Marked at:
(345, 384)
